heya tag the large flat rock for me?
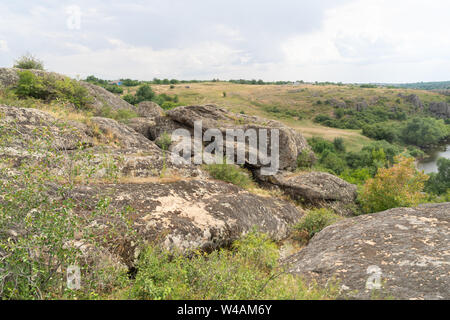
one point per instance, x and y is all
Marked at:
(191, 214)
(405, 251)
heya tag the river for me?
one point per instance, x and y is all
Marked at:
(429, 164)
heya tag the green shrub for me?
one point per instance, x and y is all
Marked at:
(71, 91)
(131, 99)
(356, 176)
(40, 236)
(305, 160)
(439, 183)
(320, 145)
(114, 88)
(314, 221)
(380, 131)
(167, 105)
(398, 186)
(339, 144)
(332, 161)
(49, 88)
(424, 131)
(230, 173)
(249, 270)
(164, 141)
(30, 85)
(28, 61)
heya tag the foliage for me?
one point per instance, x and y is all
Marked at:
(28, 61)
(230, 173)
(40, 236)
(164, 141)
(249, 270)
(339, 144)
(399, 186)
(439, 183)
(144, 93)
(305, 160)
(314, 221)
(119, 114)
(381, 131)
(48, 88)
(356, 176)
(424, 131)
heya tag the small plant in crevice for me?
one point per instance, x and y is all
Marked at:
(313, 222)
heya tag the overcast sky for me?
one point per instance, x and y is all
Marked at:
(315, 40)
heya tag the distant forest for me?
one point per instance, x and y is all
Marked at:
(438, 85)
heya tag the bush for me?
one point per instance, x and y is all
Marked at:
(28, 61)
(305, 160)
(144, 93)
(164, 141)
(71, 91)
(230, 173)
(380, 131)
(339, 144)
(399, 186)
(167, 105)
(131, 99)
(320, 145)
(30, 85)
(49, 88)
(40, 236)
(114, 88)
(332, 161)
(424, 131)
(356, 176)
(314, 221)
(249, 270)
(439, 183)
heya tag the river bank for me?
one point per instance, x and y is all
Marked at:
(429, 163)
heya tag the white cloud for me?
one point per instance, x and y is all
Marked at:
(345, 40)
(395, 38)
(124, 60)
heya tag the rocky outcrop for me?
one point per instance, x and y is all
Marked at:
(361, 106)
(28, 123)
(164, 124)
(185, 215)
(142, 125)
(291, 142)
(402, 253)
(100, 97)
(440, 109)
(317, 188)
(121, 134)
(149, 109)
(32, 131)
(338, 103)
(413, 99)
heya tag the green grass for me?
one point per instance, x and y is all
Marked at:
(230, 173)
(313, 222)
(248, 271)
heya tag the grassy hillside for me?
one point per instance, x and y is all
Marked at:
(295, 105)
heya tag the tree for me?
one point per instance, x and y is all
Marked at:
(424, 131)
(28, 61)
(398, 186)
(144, 93)
(439, 182)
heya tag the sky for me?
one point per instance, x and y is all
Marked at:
(389, 41)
